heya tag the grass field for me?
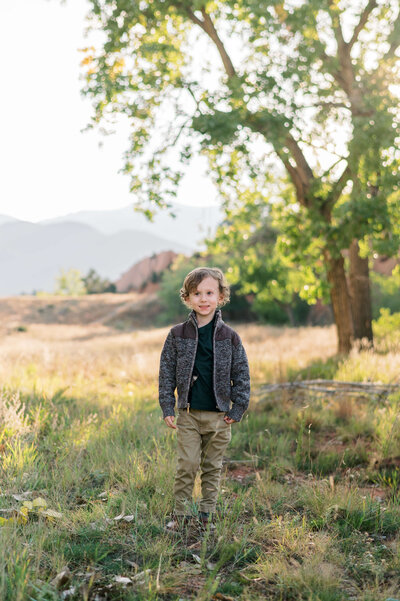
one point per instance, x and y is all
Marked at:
(310, 500)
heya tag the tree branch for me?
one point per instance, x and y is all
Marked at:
(305, 172)
(363, 19)
(301, 193)
(208, 26)
(394, 38)
(337, 188)
(337, 28)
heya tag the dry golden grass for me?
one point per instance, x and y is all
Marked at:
(273, 351)
(79, 348)
(92, 441)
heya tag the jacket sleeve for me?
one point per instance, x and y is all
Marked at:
(167, 376)
(240, 376)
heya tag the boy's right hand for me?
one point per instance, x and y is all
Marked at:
(169, 420)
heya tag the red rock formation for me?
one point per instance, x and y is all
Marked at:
(141, 274)
(385, 265)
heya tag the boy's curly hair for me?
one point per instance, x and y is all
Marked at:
(194, 277)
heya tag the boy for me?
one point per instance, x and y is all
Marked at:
(205, 361)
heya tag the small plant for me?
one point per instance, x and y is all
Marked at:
(21, 329)
(303, 448)
(387, 330)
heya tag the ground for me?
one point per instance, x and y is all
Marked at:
(309, 507)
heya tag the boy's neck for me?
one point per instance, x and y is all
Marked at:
(203, 321)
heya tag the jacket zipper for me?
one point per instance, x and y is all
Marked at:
(191, 369)
(214, 385)
(194, 358)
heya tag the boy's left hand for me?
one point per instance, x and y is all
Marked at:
(228, 420)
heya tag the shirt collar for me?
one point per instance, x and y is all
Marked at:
(217, 319)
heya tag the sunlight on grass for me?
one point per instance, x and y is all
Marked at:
(309, 478)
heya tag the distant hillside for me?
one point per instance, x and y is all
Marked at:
(121, 310)
(31, 255)
(141, 274)
(190, 227)
(6, 219)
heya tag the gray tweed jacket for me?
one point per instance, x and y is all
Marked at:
(231, 378)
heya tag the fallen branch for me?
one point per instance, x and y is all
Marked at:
(333, 387)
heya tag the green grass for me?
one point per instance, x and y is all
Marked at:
(309, 507)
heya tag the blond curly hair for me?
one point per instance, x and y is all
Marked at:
(194, 277)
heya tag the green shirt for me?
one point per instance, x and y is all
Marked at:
(202, 394)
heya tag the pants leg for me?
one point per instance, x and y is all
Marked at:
(216, 435)
(189, 449)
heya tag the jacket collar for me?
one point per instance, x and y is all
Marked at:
(217, 318)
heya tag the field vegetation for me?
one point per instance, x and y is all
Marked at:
(310, 500)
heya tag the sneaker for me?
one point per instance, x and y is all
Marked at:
(205, 519)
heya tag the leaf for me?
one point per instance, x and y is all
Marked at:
(23, 515)
(28, 505)
(4, 521)
(51, 513)
(22, 496)
(68, 593)
(62, 578)
(39, 502)
(140, 578)
(122, 580)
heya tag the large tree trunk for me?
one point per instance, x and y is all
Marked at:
(340, 300)
(360, 297)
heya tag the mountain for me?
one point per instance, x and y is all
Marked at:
(32, 254)
(190, 226)
(6, 219)
(141, 273)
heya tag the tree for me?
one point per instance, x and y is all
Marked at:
(70, 283)
(249, 242)
(292, 74)
(95, 284)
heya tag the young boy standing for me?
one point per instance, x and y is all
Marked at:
(204, 359)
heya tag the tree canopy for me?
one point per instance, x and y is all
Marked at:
(305, 90)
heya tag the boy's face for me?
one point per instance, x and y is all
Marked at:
(204, 300)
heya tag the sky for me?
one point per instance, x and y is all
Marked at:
(48, 166)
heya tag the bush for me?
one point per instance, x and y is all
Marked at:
(385, 292)
(387, 330)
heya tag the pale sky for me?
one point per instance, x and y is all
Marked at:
(48, 167)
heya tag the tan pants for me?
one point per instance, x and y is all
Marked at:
(202, 439)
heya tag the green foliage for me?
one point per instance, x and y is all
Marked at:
(289, 85)
(304, 73)
(387, 330)
(70, 283)
(248, 241)
(95, 284)
(284, 530)
(385, 291)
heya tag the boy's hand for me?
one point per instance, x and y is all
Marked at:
(169, 420)
(228, 420)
